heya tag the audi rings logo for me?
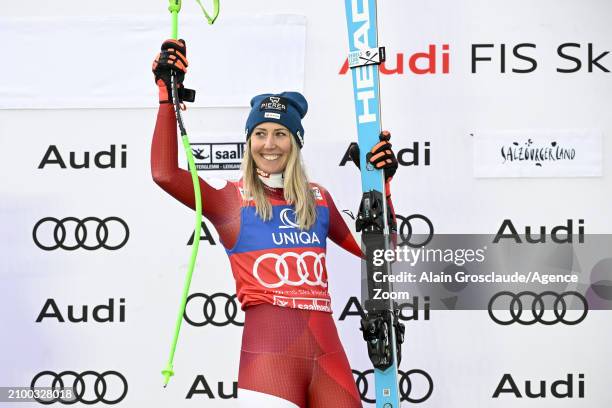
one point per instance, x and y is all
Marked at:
(89, 387)
(406, 386)
(283, 272)
(71, 233)
(533, 310)
(212, 304)
(406, 230)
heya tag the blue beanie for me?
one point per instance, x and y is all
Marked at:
(286, 108)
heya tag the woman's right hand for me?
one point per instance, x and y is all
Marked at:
(171, 59)
(381, 156)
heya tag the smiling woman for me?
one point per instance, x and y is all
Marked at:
(274, 225)
(270, 147)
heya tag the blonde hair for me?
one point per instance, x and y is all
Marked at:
(297, 191)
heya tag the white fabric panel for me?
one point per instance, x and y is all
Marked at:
(112, 54)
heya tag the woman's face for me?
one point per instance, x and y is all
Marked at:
(270, 147)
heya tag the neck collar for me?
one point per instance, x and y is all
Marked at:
(271, 180)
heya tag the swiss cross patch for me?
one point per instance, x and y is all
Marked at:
(277, 103)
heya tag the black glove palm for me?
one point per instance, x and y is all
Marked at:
(171, 59)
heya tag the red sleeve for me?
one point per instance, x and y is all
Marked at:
(220, 206)
(338, 230)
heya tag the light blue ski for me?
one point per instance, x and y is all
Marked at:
(380, 323)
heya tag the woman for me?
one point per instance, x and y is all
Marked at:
(273, 224)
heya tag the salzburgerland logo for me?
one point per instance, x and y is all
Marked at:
(218, 156)
(222, 304)
(528, 151)
(71, 233)
(89, 387)
(535, 308)
(407, 388)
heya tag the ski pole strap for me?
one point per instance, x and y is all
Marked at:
(175, 6)
(366, 56)
(215, 13)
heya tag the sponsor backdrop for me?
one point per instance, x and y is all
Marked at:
(499, 114)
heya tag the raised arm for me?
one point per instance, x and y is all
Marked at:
(220, 200)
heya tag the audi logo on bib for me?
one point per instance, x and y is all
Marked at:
(291, 268)
(89, 387)
(531, 310)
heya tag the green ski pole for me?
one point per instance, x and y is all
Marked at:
(174, 8)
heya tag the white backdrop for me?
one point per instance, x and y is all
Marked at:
(124, 41)
(465, 353)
